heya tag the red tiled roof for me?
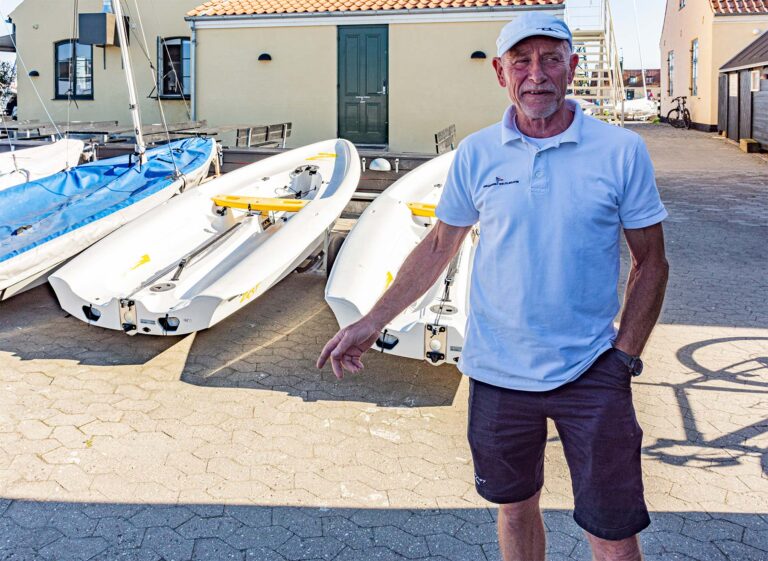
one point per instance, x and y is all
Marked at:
(263, 7)
(737, 7)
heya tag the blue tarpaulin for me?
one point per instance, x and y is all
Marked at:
(39, 211)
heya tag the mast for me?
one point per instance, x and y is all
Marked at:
(132, 99)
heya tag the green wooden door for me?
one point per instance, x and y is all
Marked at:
(363, 84)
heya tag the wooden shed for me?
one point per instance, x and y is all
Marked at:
(743, 94)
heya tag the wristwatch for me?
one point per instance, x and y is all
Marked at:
(634, 363)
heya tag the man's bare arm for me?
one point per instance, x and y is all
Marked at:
(646, 285)
(420, 270)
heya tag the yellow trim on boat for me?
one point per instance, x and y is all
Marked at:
(422, 209)
(323, 156)
(390, 278)
(248, 294)
(142, 261)
(261, 204)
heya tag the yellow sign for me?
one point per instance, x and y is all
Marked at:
(143, 261)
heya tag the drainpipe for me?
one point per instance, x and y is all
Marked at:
(193, 73)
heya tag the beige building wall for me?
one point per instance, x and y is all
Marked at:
(297, 85)
(41, 23)
(681, 27)
(434, 83)
(720, 38)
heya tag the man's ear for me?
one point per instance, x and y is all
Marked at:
(573, 62)
(499, 71)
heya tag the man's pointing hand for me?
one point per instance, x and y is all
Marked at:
(347, 346)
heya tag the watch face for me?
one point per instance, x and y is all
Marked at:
(636, 366)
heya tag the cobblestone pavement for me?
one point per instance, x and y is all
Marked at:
(229, 444)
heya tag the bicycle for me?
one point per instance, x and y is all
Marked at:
(679, 117)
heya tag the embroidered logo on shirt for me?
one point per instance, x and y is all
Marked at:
(499, 182)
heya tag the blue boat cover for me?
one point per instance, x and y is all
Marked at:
(34, 213)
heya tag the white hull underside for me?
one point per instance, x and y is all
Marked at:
(132, 280)
(432, 328)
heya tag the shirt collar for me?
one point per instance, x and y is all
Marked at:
(510, 132)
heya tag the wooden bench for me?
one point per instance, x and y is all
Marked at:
(263, 136)
(445, 140)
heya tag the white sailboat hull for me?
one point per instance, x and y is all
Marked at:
(31, 268)
(30, 164)
(432, 328)
(132, 281)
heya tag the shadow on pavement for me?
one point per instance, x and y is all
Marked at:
(748, 375)
(273, 345)
(34, 327)
(34, 530)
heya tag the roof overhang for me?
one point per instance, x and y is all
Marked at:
(752, 65)
(422, 15)
(7, 44)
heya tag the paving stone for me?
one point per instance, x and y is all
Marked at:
(676, 543)
(213, 549)
(172, 517)
(119, 532)
(119, 553)
(298, 522)
(28, 514)
(757, 539)
(370, 554)
(424, 525)
(168, 544)
(401, 542)
(74, 549)
(250, 515)
(72, 522)
(710, 530)
(262, 554)
(452, 548)
(347, 532)
(373, 518)
(296, 548)
(493, 552)
(20, 554)
(270, 537)
(478, 533)
(197, 527)
(741, 552)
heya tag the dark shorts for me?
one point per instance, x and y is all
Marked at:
(595, 419)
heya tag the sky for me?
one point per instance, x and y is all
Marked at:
(650, 16)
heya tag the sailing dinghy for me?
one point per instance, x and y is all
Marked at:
(30, 164)
(202, 256)
(45, 222)
(432, 328)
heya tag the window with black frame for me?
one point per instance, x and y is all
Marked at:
(173, 62)
(73, 70)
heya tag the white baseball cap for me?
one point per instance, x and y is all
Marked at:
(529, 25)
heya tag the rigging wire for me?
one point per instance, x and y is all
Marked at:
(72, 62)
(19, 58)
(153, 73)
(640, 52)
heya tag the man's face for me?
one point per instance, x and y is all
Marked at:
(536, 73)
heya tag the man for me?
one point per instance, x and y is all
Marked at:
(551, 189)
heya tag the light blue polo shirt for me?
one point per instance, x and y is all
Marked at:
(544, 290)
